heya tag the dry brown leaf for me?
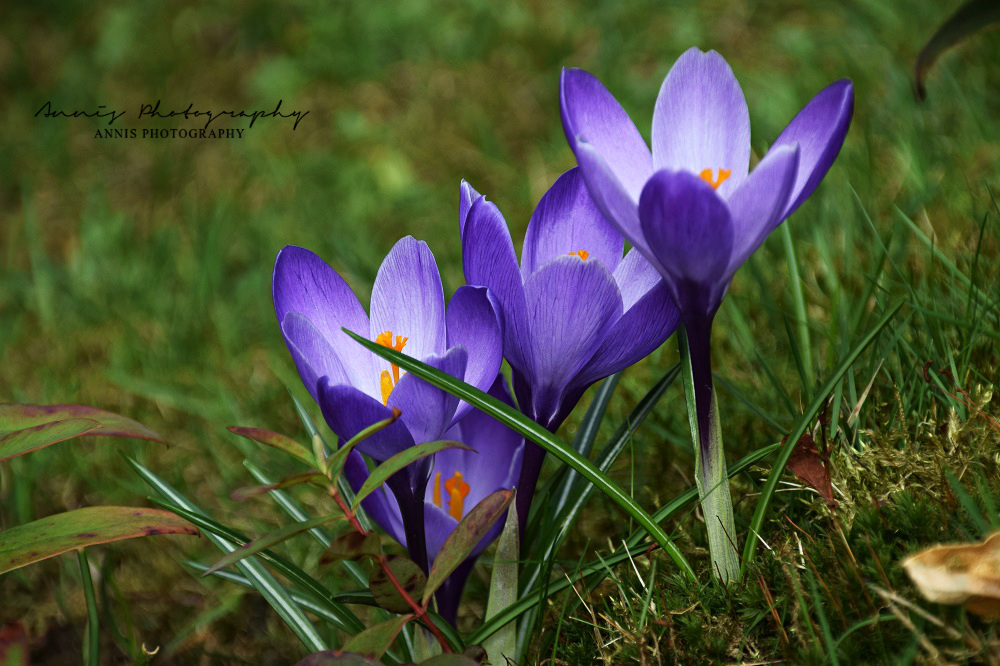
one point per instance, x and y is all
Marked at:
(807, 464)
(967, 573)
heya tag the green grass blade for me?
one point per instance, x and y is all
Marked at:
(801, 316)
(767, 494)
(272, 539)
(263, 581)
(519, 423)
(93, 626)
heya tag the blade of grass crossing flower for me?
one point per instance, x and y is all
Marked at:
(263, 581)
(519, 423)
(93, 653)
(799, 304)
(397, 462)
(803, 424)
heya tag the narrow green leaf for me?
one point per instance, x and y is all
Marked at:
(374, 641)
(466, 535)
(519, 423)
(803, 424)
(397, 462)
(247, 492)
(265, 584)
(276, 440)
(804, 356)
(502, 646)
(407, 574)
(47, 537)
(93, 618)
(19, 442)
(272, 539)
(15, 416)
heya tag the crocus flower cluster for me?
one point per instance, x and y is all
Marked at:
(692, 207)
(574, 312)
(356, 389)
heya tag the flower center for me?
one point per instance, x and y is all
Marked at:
(387, 381)
(706, 175)
(583, 254)
(457, 490)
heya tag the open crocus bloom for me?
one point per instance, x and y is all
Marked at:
(460, 479)
(354, 387)
(696, 212)
(692, 207)
(573, 312)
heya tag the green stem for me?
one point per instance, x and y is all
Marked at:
(801, 316)
(93, 628)
(710, 456)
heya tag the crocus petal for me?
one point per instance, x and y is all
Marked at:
(348, 411)
(407, 299)
(473, 324)
(635, 277)
(757, 206)
(643, 328)
(819, 130)
(304, 283)
(466, 195)
(489, 261)
(567, 221)
(687, 225)
(314, 357)
(381, 506)
(428, 411)
(701, 120)
(571, 305)
(591, 114)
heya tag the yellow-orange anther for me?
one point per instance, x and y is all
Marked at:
(457, 490)
(706, 175)
(388, 382)
(583, 254)
(437, 490)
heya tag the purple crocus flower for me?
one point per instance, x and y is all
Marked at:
(356, 388)
(460, 479)
(573, 312)
(692, 207)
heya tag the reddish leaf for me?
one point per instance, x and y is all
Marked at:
(375, 640)
(54, 535)
(807, 464)
(19, 417)
(410, 577)
(278, 441)
(18, 442)
(247, 492)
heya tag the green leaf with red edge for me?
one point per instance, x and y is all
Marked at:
(276, 440)
(54, 535)
(27, 428)
(469, 532)
(337, 658)
(409, 576)
(375, 640)
(247, 492)
(268, 540)
(397, 462)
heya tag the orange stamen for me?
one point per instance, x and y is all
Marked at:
(706, 175)
(457, 490)
(437, 490)
(583, 254)
(388, 383)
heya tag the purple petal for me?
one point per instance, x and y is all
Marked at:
(313, 355)
(489, 260)
(381, 505)
(687, 225)
(407, 299)
(635, 277)
(428, 411)
(567, 221)
(757, 206)
(819, 130)
(348, 411)
(473, 324)
(304, 283)
(643, 328)
(571, 306)
(592, 115)
(701, 120)
(466, 195)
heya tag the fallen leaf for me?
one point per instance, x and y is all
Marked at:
(965, 573)
(807, 464)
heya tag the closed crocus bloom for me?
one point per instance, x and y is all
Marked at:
(693, 208)
(356, 388)
(574, 311)
(460, 479)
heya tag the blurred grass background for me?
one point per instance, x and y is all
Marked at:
(136, 272)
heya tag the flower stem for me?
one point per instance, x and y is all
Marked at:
(694, 339)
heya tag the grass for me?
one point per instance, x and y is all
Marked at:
(136, 278)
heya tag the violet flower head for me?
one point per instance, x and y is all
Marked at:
(573, 312)
(460, 479)
(356, 388)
